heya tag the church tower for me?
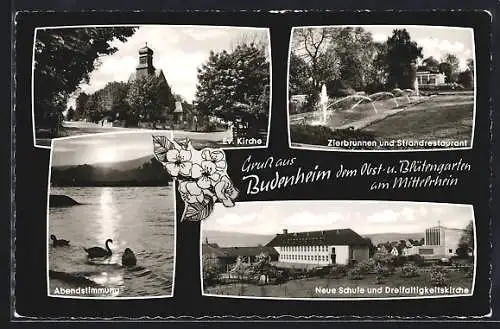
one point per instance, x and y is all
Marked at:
(145, 66)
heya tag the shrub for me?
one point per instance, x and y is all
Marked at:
(439, 277)
(399, 260)
(320, 135)
(317, 271)
(383, 270)
(468, 270)
(383, 258)
(379, 279)
(409, 271)
(354, 274)
(211, 273)
(416, 259)
(338, 271)
(366, 266)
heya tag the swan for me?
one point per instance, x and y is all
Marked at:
(97, 252)
(128, 258)
(58, 243)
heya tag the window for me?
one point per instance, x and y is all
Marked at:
(422, 251)
(450, 251)
(142, 60)
(333, 250)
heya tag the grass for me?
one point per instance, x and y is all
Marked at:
(320, 135)
(442, 117)
(305, 288)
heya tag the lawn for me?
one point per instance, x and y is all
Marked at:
(441, 117)
(444, 118)
(305, 288)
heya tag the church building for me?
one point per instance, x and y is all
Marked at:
(144, 69)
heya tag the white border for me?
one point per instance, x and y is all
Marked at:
(165, 25)
(47, 235)
(326, 149)
(348, 298)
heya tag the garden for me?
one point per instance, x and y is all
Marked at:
(383, 272)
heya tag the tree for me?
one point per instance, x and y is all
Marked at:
(466, 241)
(372, 249)
(299, 76)
(70, 115)
(80, 104)
(470, 64)
(377, 71)
(63, 59)
(236, 79)
(430, 64)
(354, 51)
(114, 99)
(402, 53)
(450, 66)
(311, 44)
(466, 79)
(143, 98)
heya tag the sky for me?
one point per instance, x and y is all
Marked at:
(178, 51)
(364, 217)
(102, 148)
(436, 41)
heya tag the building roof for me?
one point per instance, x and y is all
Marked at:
(158, 74)
(248, 251)
(212, 248)
(145, 50)
(447, 228)
(336, 237)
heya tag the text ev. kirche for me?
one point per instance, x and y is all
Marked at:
(402, 174)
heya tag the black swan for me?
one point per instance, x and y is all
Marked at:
(58, 242)
(128, 258)
(98, 252)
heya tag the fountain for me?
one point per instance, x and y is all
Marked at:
(374, 96)
(323, 102)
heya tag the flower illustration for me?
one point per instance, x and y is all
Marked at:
(226, 192)
(201, 176)
(206, 174)
(178, 161)
(191, 192)
(215, 156)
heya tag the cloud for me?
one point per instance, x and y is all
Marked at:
(178, 51)
(305, 218)
(386, 216)
(379, 37)
(408, 214)
(438, 48)
(232, 219)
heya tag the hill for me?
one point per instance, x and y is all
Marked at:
(145, 171)
(389, 237)
(235, 239)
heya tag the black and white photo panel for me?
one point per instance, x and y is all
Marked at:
(211, 84)
(339, 250)
(111, 226)
(381, 88)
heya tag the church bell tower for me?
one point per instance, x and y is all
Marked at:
(145, 66)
